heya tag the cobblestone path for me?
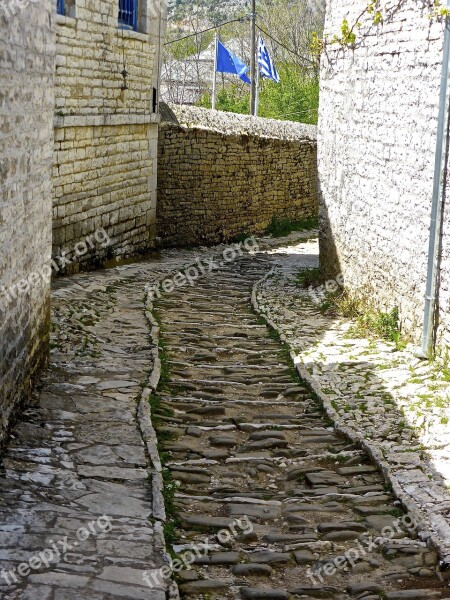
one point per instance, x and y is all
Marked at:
(261, 478)
(264, 481)
(76, 500)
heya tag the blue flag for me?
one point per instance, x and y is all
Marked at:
(268, 69)
(227, 62)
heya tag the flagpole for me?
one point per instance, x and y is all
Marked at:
(253, 62)
(216, 37)
(257, 91)
(257, 86)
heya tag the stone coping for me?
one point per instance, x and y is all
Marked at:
(235, 124)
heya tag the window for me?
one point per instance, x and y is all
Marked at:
(128, 14)
(60, 8)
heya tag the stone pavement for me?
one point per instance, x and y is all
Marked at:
(243, 440)
(395, 405)
(267, 494)
(80, 516)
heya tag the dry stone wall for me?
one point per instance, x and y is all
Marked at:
(27, 48)
(106, 130)
(221, 175)
(376, 147)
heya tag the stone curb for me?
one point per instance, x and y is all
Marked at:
(146, 426)
(150, 439)
(424, 528)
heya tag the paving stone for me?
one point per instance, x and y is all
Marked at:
(341, 526)
(208, 411)
(214, 454)
(357, 588)
(263, 594)
(225, 558)
(192, 478)
(194, 431)
(205, 522)
(362, 567)
(340, 536)
(325, 478)
(288, 538)
(358, 470)
(263, 570)
(318, 508)
(413, 594)
(188, 575)
(316, 592)
(223, 440)
(303, 557)
(268, 557)
(267, 443)
(203, 586)
(263, 435)
(374, 510)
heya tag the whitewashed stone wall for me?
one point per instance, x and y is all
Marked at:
(27, 48)
(377, 136)
(106, 136)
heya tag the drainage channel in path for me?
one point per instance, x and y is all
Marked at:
(270, 502)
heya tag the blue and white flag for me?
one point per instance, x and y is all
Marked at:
(267, 68)
(227, 62)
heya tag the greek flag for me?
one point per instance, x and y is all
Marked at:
(265, 62)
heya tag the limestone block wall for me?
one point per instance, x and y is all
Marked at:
(27, 48)
(221, 175)
(106, 130)
(376, 147)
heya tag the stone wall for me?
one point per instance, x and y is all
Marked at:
(106, 130)
(376, 147)
(27, 48)
(221, 175)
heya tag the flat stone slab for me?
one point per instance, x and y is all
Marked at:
(203, 586)
(268, 557)
(413, 594)
(262, 570)
(263, 594)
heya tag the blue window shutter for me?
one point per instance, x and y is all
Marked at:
(60, 8)
(128, 14)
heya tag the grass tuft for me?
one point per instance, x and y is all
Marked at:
(368, 323)
(280, 227)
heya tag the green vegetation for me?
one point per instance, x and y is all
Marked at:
(372, 15)
(310, 277)
(281, 227)
(188, 47)
(295, 98)
(169, 488)
(368, 323)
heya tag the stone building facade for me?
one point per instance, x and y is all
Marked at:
(78, 148)
(376, 150)
(221, 175)
(106, 129)
(27, 42)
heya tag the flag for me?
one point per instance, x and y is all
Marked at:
(265, 62)
(227, 62)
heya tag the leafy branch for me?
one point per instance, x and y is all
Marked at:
(348, 36)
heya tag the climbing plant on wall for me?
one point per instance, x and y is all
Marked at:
(350, 33)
